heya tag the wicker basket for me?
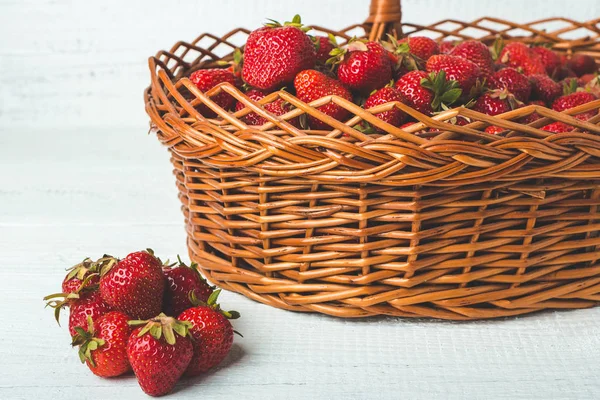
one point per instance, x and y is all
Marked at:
(466, 225)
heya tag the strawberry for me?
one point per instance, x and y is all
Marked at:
(494, 129)
(582, 64)
(212, 334)
(159, 353)
(492, 103)
(103, 346)
(274, 54)
(134, 285)
(277, 108)
(513, 81)
(323, 46)
(550, 59)
(363, 66)
(78, 274)
(518, 55)
(421, 46)
(446, 46)
(427, 92)
(387, 94)
(463, 71)
(557, 127)
(544, 88)
(573, 100)
(181, 281)
(533, 116)
(311, 85)
(89, 305)
(477, 53)
(206, 79)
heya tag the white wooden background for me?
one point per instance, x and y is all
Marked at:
(79, 176)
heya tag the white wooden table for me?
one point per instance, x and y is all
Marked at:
(72, 185)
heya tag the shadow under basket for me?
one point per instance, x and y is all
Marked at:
(463, 225)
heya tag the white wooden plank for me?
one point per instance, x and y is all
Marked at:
(291, 355)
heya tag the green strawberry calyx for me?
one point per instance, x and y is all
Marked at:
(212, 303)
(402, 50)
(339, 53)
(87, 342)
(445, 92)
(163, 325)
(60, 300)
(296, 22)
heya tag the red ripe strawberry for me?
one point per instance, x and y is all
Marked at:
(87, 271)
(494, 129)
(157, 356)
(446, 46)
(212, 333)
(557, 127)
(544, 88)
(206, 79)
(550, 59)
(492, 103)
(89, 305)
(414, 93)
(387, 94)
(421, 46)
(518, 55)
(135, 285)
(277, 108)
(274, 54)
(533, 116)
(312, 85)
(324, 45)
(582, 64)
(477, 53)
(513, 81)
(573, 100)
(463, 71)
(103, 346)
(363, 66)
(427, 92)
(182, 281)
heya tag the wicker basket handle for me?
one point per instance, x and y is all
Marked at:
(384, 18)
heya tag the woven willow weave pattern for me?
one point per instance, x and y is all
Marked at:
(459, 225)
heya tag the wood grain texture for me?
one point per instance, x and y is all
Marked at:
(72, 185)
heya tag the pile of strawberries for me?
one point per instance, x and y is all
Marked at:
(417, 71)
(122, 317)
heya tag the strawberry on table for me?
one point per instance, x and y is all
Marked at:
(134, 285)
(274, 54)
(459, 69)
(181, 282)
(159, 353)
(103, 346)
(211, 331)
(364, 66)
(311, 85)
